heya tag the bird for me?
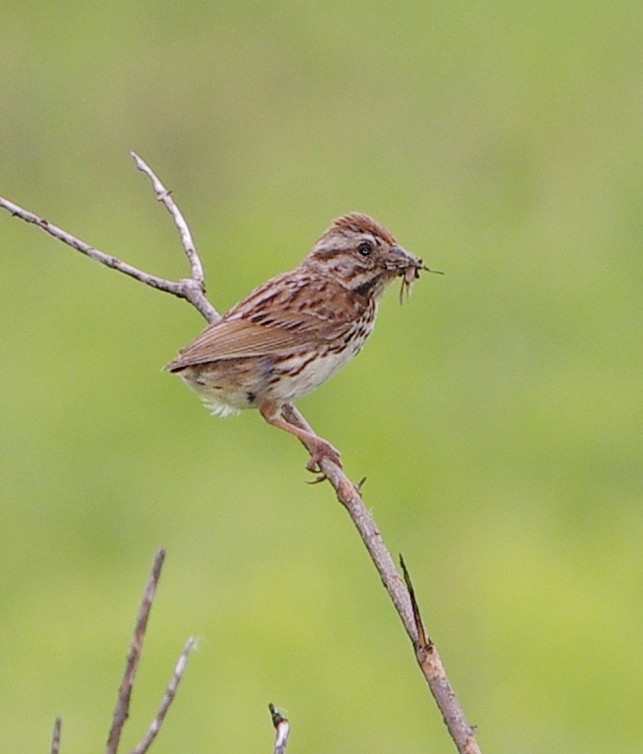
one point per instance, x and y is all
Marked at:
(289, 335)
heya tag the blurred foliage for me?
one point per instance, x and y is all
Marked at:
(497, 415)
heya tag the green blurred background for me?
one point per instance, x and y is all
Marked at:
(497, 416)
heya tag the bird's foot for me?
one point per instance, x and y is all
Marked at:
(322, 450)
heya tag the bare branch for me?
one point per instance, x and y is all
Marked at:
(170, 693)
(282, 728)
(55, 738)
(349, 495)
(163, 195)
(121, 712)
(192, 288)
(401, 594)
(98, 256)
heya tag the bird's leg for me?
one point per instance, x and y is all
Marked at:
(319, 448)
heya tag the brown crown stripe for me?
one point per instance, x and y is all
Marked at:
(356, 222)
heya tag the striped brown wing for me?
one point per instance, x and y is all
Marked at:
(286, 313)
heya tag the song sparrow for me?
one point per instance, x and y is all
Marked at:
(295, 331)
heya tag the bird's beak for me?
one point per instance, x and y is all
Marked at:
(408, 264)
(400, 260)
(408, 267)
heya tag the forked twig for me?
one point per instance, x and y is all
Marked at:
(121, 712)
(192, 289)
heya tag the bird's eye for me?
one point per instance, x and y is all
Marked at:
(365, 248)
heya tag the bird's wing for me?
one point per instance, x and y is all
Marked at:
(273, 320)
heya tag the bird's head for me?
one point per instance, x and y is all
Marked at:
(363, 256)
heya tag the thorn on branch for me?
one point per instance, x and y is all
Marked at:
(423, 641)
(428, 658)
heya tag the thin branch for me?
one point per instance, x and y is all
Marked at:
(350, 496)
(282, 729)
(121, 711)
(401, 594)
(193, 288)
(55, 738)
(348, 493)
(170, 693)
(93, 253)
(163, 195)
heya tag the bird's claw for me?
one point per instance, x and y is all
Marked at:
(323, 451)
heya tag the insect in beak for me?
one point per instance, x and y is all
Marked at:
(411, 274)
